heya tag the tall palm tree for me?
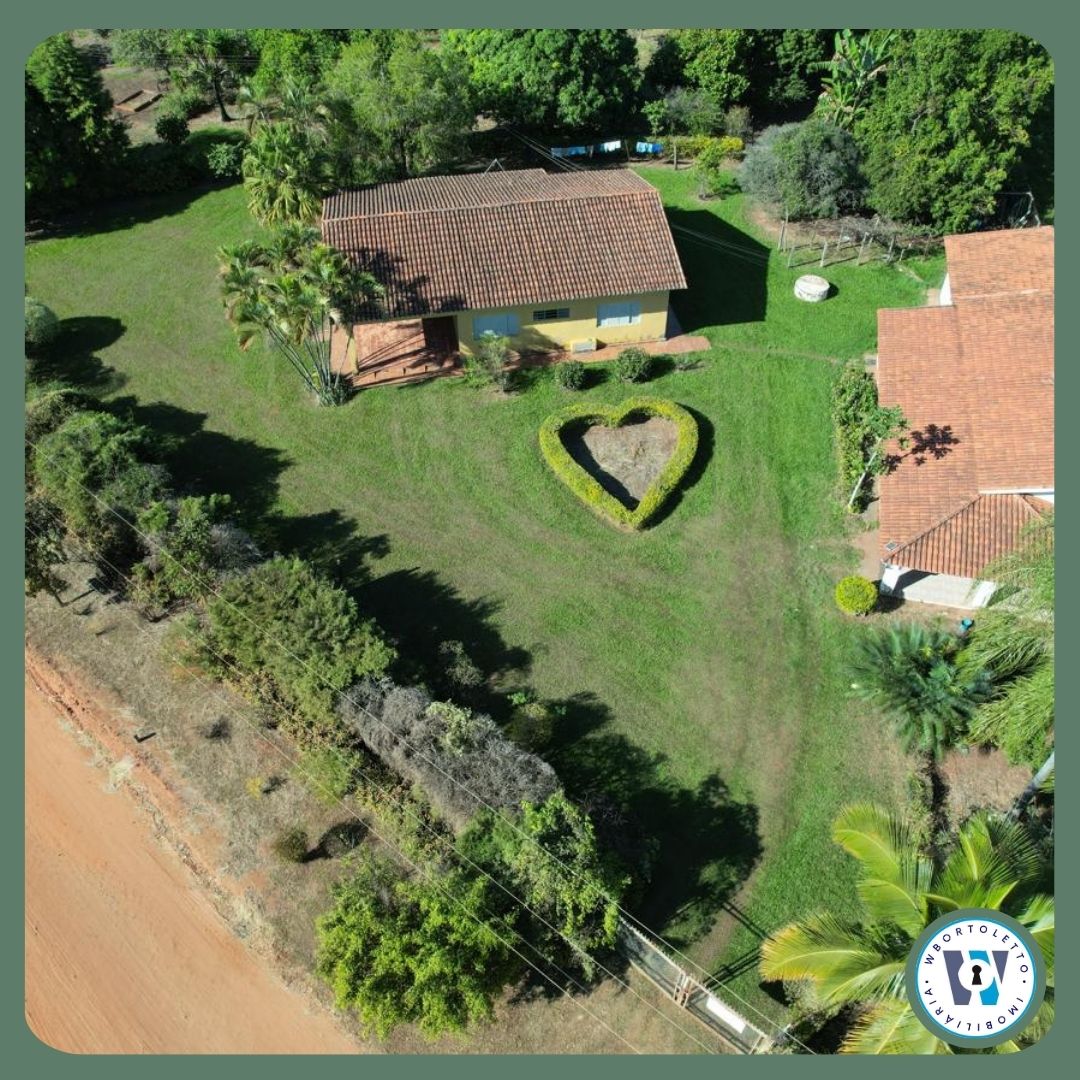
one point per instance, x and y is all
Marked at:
(913, 675)
(993, 864)
(294, 308)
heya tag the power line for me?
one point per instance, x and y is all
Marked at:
(161, 549)
(297, 767)
(430, 829)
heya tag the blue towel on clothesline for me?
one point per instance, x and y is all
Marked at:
(649, 148)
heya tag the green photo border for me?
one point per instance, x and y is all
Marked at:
(25, 25)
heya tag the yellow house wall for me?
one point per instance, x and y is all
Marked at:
(559, 333)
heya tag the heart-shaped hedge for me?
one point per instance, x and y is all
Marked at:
(588, 488)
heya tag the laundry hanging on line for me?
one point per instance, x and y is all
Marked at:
(649, 148)
(569, 151)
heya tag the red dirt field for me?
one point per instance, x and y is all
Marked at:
(124, 952)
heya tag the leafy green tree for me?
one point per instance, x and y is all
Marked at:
(552, 860)
(963, 115)
(294, 638)
(93, 469)
(993, 864)
(144, 48)
(489, 363)
(1013, 639)
(41, 326)
(188, 544)
(584, 81)
(811, 170)
(409, 105)
(43, 536)
(211, 60)
(857, 63)
(717, 62)
(425, 952)
(74, 146)
(915, 677)
(298, 57)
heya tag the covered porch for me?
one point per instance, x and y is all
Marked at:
(401, 351)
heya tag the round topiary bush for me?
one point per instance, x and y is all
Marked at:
(856, 595)
(42, 326)
(633, 365)
(171, 129)
(570, 375)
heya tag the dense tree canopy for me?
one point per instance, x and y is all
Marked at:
(293, 56)
(409, 104)
(427, 951)
(73, 143)
(584, 81)
(961, 116)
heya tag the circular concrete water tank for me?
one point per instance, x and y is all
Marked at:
(812, 288)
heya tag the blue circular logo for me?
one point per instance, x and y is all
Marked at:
(975, 978)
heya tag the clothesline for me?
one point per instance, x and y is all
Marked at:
(609, 146)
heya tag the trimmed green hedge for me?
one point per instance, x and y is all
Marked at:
(588, 489)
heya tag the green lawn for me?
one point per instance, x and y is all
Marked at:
(700, 663)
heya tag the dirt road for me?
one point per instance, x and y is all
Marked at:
(124, 954)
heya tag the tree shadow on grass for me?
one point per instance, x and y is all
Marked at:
(416, 606)
(726, 284)
(72, 358)
(698, 844)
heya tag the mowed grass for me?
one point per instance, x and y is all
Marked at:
(701, 663)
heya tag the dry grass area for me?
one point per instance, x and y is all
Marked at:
(97, 642)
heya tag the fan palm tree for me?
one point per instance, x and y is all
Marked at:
(282, 175)
(993, 864)
(913, 675)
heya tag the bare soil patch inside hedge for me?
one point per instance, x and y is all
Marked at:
(624, 460)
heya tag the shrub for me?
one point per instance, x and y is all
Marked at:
(158, 168)
(811, 170)
(90, 468)
(458, 670)
(460, 759)
(587, 488)
(487, 366)
(633, 365)
(291, 845)
(737, 122)
(856, 595)
(570, 375)
(184, 103)
(330, 772)
(171, 129)
(224, 159)
(42, 326)
(862, 425)
(296, 640)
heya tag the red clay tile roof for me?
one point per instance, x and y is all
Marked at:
(976, 382)
(458, 243)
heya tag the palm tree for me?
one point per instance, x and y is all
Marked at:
(993, 864)
(294, 308)
(913, 675)
(283, 175)
(1014, 640)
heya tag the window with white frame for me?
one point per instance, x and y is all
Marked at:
(503, 324)
(622, 313)
(551, 314)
